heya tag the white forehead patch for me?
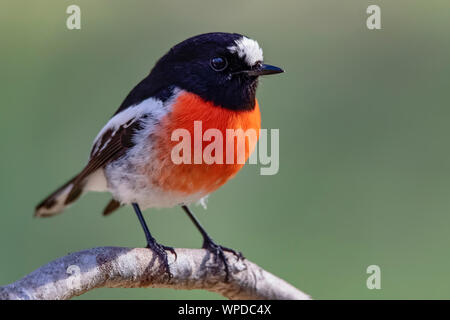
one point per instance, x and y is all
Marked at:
(248, 49)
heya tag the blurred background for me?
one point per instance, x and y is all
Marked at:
(363, 116)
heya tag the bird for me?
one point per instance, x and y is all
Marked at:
(209, 78)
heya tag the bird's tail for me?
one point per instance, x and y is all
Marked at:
(60, 199)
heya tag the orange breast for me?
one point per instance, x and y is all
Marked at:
(194, 178)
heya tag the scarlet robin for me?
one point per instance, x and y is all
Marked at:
(210, 78)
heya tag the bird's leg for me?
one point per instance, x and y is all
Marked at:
(210, 245)
(158, 249)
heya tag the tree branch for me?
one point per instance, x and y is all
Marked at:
(115, 267)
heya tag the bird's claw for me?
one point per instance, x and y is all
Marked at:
(160, 251)
(218, 252)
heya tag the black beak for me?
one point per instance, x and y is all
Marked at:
(263, 70)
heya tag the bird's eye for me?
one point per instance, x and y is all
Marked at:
(219, 63)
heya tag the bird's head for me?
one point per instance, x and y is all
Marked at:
(219, 67)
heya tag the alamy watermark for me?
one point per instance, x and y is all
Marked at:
(234, 146)
(75, 276)
(374, 280)
(73, 21)
(373, 21)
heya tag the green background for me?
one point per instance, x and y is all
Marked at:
(364, 124)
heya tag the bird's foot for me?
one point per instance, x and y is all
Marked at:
(160, 251)
(219, 253)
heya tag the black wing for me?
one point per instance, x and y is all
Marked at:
(112, 145)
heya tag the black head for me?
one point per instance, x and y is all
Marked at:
(220, 67)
